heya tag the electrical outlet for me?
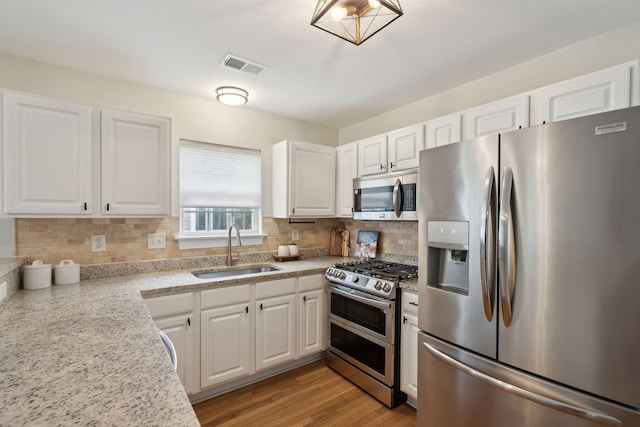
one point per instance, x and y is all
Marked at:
(295, 235)
(156, 240)
(3, 291)
(98, 243)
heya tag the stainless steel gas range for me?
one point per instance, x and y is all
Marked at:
(364, 325)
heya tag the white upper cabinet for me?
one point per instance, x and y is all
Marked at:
(136, 153)
(347, 170)
(593, 93)
(404, 146)
(46, 156)
(304, 180)
(443, 130)
(372, 155)
(500, 116)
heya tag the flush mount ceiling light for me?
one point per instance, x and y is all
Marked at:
(230, 95)
(355, 20)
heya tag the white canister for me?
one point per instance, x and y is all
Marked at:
(37, 275)
(66, 272)
(283, 250)
(293, 250)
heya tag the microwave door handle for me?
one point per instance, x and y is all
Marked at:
(550, 402)
(397, 197)
(487, 245)
(506, 248)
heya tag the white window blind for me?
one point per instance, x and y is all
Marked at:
(219, 176)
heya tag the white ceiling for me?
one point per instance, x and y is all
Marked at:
(312, 75)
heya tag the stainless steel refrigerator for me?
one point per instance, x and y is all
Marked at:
(529, 257)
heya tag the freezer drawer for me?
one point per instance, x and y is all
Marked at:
(482, 393)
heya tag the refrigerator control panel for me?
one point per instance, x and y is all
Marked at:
(448, 233)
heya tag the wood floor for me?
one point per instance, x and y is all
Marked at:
(310, 395)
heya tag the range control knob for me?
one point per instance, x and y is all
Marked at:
(342, 275)
(355, 279)
(387, 287)
(378, 285)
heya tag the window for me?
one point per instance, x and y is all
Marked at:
(219, 186)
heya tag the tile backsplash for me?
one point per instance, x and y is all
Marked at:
(55, 239)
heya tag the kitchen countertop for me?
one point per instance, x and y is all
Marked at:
(89, 354)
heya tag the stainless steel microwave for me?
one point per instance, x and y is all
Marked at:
(389, 197)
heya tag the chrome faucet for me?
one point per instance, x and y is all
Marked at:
(230, 258)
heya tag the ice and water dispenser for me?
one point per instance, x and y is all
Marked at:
(448, 256)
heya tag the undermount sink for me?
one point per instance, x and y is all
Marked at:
(214, 274)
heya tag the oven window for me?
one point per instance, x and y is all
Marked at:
(361, 349)
(360, 313)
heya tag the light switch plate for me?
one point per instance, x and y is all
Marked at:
(98, 243)
(156, 240)
(295, 235)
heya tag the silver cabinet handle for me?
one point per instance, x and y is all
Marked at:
(568, 408)
(397, 203)
(506, 248)
(487, 249)
(170, 348)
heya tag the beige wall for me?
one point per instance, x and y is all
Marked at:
(605, 51)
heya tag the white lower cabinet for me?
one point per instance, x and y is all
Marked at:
(174, 315)
(226, 347)
(242, 330)
(275, 322)
(409, 345)
(311, 315)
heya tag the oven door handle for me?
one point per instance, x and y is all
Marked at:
(364, 300)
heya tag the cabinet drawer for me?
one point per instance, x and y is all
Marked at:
(170, 304)
(225, 296)
(274, 288)
(310, 283)
(409, 301)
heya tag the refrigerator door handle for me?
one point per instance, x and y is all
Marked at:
(559, 405)
(487, 245)
(506, 248)
(397, 196)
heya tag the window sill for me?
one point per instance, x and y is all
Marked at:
(203, 242)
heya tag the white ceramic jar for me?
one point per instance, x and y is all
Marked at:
(293, 250)
(283, 250)
(37, 275)
(66, 272)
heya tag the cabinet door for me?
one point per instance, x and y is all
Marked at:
(47, 156)
(275, 332)
(174, 315)
(405, 146)
(409, 357)
(598, 92)
(372, 155)
(136, 166)
(507, 114)
(225, 344)
(443, 130)
(312, 181)
(311, 321)
(347, 164)
(182, 334)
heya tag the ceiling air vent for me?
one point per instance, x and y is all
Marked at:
(240, 64)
